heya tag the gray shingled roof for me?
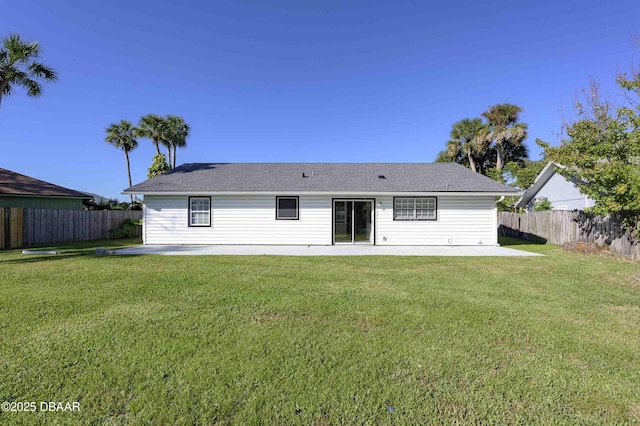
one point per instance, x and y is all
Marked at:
(321, 177)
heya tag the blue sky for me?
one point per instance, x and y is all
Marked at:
(297, 81)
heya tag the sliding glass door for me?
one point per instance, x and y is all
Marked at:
(342, 221)
(353, 221)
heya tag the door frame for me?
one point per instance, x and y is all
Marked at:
(373, 220)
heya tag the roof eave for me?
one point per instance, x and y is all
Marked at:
(367, 193)
(47, 196)
(541, 180)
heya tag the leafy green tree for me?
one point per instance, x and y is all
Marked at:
(122, 136)
(20, 66)
(522, 175)
(176, 136)
(153, 127)
(601, 151)
(504, 130)
(519, 175)
(158, 166)
(541, 204)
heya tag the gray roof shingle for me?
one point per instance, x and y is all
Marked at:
(12, 183)
(321, 177)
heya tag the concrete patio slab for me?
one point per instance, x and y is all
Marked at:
(337, 250)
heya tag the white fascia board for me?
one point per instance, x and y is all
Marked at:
(543, 177)
(544, 170)
(334, 193)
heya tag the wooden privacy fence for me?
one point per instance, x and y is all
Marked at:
(561, 227)
(28, 227)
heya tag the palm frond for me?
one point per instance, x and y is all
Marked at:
(177, 131)
(39, 70)
(121, 135)
(151, 126)
(19, 67)
(20, 51)
(34, 89)
(7, 90)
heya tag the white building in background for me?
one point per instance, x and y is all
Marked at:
(561, 192)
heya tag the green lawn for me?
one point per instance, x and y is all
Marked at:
(321, 340)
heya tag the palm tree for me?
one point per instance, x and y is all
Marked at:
(122, 135)
(466, 138)
(503, 128)
(152, 126)
(177, 133)
(19, 67)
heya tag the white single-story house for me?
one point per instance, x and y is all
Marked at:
(320, 204)
(560, 191)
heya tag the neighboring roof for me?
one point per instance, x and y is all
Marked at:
(320, 177)
(541, 180)
(12, 183)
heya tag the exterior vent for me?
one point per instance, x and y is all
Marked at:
(382, 177)
(305, 175)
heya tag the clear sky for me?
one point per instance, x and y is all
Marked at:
(297, 81)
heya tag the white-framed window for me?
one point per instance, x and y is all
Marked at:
(199, 211)
(423, 208)
(287, 208)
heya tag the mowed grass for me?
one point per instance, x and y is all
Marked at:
(321, 340)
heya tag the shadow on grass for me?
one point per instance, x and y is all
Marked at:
(67, 251)
(509, 241)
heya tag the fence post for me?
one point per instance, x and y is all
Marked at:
(16, 231)
(3, 232)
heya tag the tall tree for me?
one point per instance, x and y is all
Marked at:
(473, 144)
(122, 136)
(465, 138)
(504, 128)
(20, 66)
(177, 133)
(601, 151)
(153, 127)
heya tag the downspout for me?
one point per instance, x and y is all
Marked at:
(496, 219)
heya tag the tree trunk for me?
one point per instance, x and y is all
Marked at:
(126, 155)
(499, 154)
(169, 156)
(472, 164)
(3, 85)
(174, 158)
(157, 144)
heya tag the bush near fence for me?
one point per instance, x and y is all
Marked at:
(561, 227)
(29, 227)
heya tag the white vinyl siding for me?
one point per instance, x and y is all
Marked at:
(251, 219)
(562, 194)
(238, 219)
(460, 221)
